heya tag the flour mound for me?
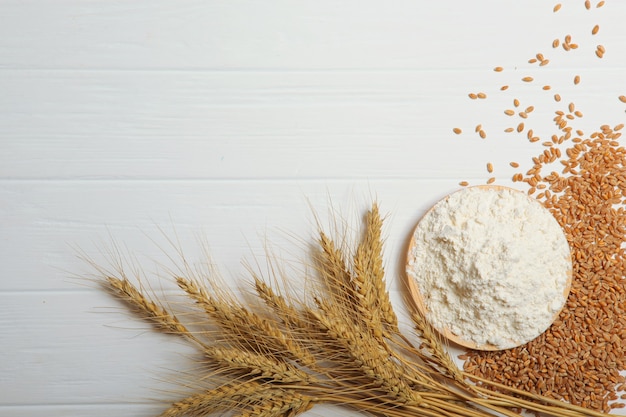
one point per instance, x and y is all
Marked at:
(492, 266)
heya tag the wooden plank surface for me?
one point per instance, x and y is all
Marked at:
(234, 122)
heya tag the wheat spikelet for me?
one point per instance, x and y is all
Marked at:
(433, 343)
(334, 273)
(370, 273)
(373, 361)
(223, 398)
(247, 327)
(146, 308)
(280, 404)
(236, 361)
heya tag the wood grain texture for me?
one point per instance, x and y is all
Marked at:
(235, 121)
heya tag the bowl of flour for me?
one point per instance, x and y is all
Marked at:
(489, 267)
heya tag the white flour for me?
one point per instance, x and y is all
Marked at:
(492, 266)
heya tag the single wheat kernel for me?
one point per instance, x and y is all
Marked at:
(568, 38)
(544, 62)
(478, 128)
(516, 102)
(523, 115)
(529, 109)
(464, 183)
(556, 8)
(566, 46)
(504, 87)
(457, 130)
(587, 4)
(573, 45)
(600, 4)
(601, 48)
(509, 130)
(556, 43)
(578, 113)
(498, 69)
(472, 96)
(571, 107)
(599, 53)
(482, 134)
(622, 99)
(532, 60)
(619, 127)
(557, 97)
(481, 95)
(577, 79)
(527, 79)
(509, 112)
(546, 87)
(489, 167)
(514, 164)
(520, 127)
(595, 29)
(491, 180)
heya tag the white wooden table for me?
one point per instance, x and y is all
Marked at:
(234, 121)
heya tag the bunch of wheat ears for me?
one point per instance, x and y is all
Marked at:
(279, 354)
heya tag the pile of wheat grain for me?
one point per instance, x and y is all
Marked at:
(580, 357)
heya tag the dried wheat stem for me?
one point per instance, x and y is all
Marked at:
(557, 407)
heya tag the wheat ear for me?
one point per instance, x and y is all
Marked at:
(334, 273)
(434, 345)
(223, 398)
(246, 327)
(369, 356)
(234, 360)
(369, 277)
(280, 404)
(148, 309)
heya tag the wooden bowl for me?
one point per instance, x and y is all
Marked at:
(419, 300)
